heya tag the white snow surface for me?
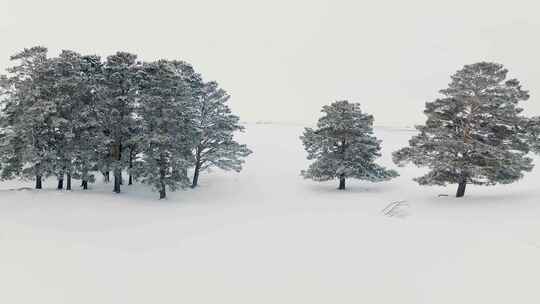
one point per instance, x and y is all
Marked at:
(265, 235)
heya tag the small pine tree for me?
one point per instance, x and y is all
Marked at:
(343, 146)
(475, 134)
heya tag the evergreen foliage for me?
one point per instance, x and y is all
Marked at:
(216, 125)
(475, 134)
(29, 117)
(120, 89)
(72, 115)
(343, 146)
(165, 114)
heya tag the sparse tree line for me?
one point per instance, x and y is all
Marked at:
(77, 116)
(475, 134)
(74, 115)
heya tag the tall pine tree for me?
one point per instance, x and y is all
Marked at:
(77, 81)
(475, 134)
(68, 88)
(28, 116)
(166, 119)
(118, 108)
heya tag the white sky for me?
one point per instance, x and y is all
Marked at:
(282, 60)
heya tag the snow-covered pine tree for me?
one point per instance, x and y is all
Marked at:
(195, 85)
(165, 115)
(77, 81)
(475, 134)
(343, 146)
(69, 87)
(216, 146)
(27, 117)
(117, 109)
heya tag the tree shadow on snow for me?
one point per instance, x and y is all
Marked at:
(485, 197)
(352, 188)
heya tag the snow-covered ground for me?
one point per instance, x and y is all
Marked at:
(268, 236)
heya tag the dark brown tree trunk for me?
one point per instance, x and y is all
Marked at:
(342, 183)
(121, 178)
(106, 177)
(461, 189)
(85, 185)
(60, 182)
(68, 182)
(38, 182)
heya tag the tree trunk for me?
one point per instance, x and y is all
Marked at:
(121, 178)
(60, 182)
(68, 183)
(84, 179)
(196, 176)
(106, 177)
(197, 168)
(342, 182)
(461, 188)
(342, 175)
(117, 156)
(38, 182)
(162, 193)
(130, 179)
(117, 177)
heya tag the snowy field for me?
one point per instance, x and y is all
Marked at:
(268, 236)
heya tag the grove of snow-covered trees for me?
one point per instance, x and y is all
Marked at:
(77, 116)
